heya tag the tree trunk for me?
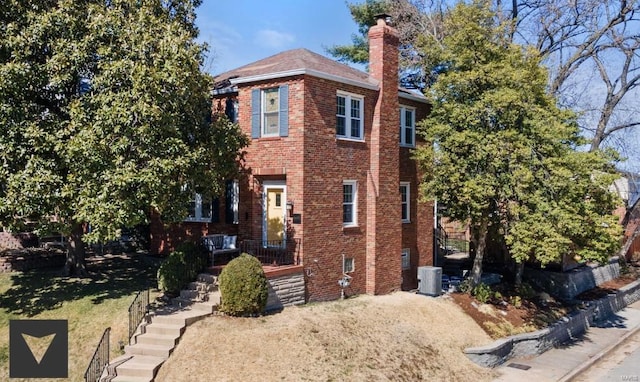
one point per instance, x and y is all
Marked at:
(519, 272)
(75, 265)
(481, 244)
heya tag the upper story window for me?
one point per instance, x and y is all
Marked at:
(349, 116)
(406, 206)
(270, 112)
(349, 203)
(407, 126)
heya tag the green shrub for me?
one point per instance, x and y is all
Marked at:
(516, 301)
(243, 287)
(482, 292)
(526, 291)
(181, 267)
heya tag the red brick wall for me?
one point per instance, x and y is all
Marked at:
(418, 234)
(272, 159)
(328, 162)
(383, 198)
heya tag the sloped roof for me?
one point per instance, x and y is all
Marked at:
(303, 61)
(294, 60)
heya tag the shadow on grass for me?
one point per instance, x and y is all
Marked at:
(110, 277)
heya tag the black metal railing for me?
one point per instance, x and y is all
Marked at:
(100, 359)
(273, 252)
(138, 310)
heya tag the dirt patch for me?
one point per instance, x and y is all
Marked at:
(501, 318)
(397, 337)
(508, 315)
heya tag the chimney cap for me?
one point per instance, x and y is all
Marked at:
(384, 17)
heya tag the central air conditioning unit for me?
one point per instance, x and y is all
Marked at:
(430, 281)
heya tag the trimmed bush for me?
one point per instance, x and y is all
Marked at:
(181, 267)
(243, 287)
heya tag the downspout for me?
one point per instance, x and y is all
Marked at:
(435, 232)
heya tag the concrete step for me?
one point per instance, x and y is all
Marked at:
(162, 351)
(201, 286)
(193, 295)
(214, 297)
(165, 329)
(158, 339)
(121, 378)
(183, 317)
(140, 366)
(207, 278)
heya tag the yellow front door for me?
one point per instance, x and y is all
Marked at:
(275, 214)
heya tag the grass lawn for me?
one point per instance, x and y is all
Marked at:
(89, 304)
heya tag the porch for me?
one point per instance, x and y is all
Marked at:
(271, 253)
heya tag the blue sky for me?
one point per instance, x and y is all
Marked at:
(243, 31)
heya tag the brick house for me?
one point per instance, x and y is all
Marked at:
(329, 166)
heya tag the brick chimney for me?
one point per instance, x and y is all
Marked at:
(384, 226)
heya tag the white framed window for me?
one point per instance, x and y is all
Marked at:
(406, 258)
(200, 209)
(405, 194)
(348, 265)
(349, 116)
(407, 126)
(271, 112)
(349, 203)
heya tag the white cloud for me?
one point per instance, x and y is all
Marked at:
(273, 39)
(223, 41)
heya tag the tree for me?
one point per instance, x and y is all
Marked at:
(503, 154)
(590, 46)
(106, 117)
(411, 19)
(576, 39)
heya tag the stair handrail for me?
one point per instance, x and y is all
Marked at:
(100, 359)
(137, 311)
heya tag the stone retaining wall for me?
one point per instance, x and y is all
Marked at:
(286, 290)
(567, 285)
(23, 260)
(566, 328)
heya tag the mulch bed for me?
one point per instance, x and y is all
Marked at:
(535, 313)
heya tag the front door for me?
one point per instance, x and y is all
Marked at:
(275, 207)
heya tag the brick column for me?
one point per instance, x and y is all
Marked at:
(384, 233)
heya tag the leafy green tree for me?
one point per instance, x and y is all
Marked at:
(503, 156)
(364, 15)
(105, 117)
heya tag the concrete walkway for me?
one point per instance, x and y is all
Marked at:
(567, 361)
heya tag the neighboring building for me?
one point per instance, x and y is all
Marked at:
(329, 165)
(628, 188)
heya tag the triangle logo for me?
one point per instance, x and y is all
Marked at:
(38, 345)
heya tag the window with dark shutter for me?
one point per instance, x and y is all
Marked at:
(270, 112)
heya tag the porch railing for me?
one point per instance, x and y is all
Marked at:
(100, 359)
(273, 252)
(138, 310)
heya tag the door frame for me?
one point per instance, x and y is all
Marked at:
(270, 184)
